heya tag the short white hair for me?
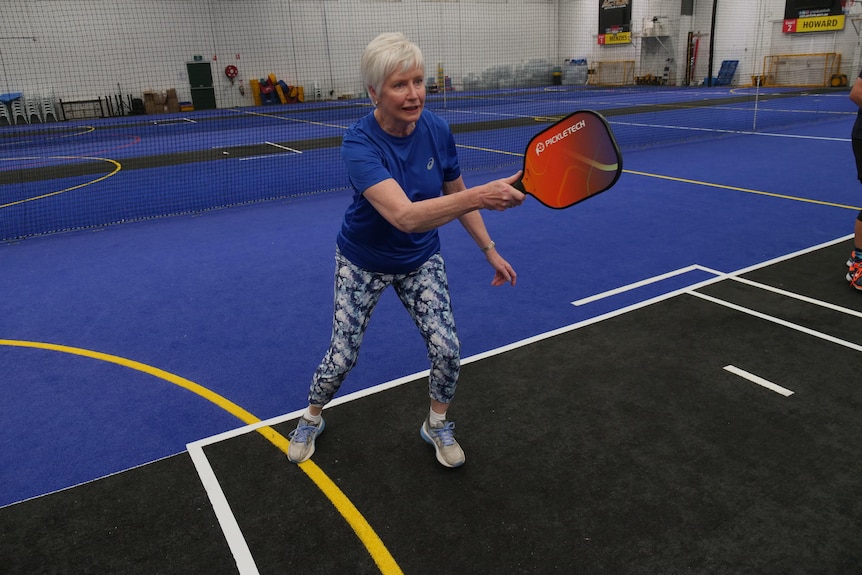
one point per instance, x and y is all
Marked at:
(386, 54)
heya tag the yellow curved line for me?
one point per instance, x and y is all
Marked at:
(117, 168)
(87, 131)
(83, 130)
(545, 119)
(372, 542)
(746, 190)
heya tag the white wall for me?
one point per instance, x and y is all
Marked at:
(80, 49)
(746, 30)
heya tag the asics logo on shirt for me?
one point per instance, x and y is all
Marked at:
(430, 164)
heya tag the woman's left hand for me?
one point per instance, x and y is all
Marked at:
(503, 271)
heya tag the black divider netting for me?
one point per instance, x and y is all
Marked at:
(120, 111)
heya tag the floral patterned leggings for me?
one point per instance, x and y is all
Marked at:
(424, 293)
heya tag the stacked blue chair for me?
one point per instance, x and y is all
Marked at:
(9, 112)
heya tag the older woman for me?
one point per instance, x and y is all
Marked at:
(403, 167)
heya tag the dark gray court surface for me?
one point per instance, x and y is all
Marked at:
(624, 446)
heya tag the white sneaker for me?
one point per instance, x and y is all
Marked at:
(302, 440)
(442, 437)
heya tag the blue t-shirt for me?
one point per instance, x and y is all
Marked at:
(420, 163)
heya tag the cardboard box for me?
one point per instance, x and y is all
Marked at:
(149, 102)
(158, 102)
(171, 102)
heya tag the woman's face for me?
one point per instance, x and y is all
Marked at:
(402, 96)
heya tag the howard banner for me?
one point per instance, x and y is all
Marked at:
(813, 16)
(615, 22)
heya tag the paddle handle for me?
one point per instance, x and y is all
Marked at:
(519, 185)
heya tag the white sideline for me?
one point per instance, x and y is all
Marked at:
(235, 539)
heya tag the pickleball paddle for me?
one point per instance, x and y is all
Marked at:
(571, 160)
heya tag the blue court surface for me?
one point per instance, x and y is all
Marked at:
(207, 307)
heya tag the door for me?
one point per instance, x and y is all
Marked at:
(201, 81)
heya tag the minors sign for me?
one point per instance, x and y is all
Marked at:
(615, 21)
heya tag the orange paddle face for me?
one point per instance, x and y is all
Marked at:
(572, 160)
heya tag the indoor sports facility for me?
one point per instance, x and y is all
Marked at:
(670, 387)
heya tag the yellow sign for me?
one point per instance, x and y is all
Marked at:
(814, 24)
(618, 38)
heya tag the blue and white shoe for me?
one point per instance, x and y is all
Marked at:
(302, 440)
(442, 437)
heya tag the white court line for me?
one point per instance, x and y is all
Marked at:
(635, 285)
(729, 276)
(758, 380)
(792, 255)
(781, 322)
(174, 121)
(797, 296)
(265, 156)
(722, 275)
(286, 119)
(235, 539)
(283, 147)
(738, 132)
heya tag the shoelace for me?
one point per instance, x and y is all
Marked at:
(302, 433)
(446, 433)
